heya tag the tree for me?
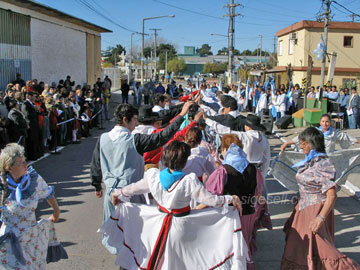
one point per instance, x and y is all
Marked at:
(204, 50)
(223, 51)
(236, 52)
(147, 52)
(112, 54)
(171, 53)
(246, 53)
(257, 52)
(176, 65)
(215, 68)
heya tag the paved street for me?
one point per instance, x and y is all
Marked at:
(81, 212)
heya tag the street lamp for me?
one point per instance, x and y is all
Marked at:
(230, 58)
(212, 34)
(142, 43)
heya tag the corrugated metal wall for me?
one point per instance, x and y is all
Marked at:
(15, 47)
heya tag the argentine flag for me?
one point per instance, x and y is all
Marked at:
(273, 97)
(247, 90)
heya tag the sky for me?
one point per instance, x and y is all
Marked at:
(196, 20)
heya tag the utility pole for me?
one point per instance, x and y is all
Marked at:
(114, 58)
(323, 62)
(260, 48)
(352, 16)
(130, 64)
(166, 63)
(274, 51)
(231, 16)
(155, 47)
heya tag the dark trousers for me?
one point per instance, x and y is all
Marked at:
(125, 99)
(32, 143)
(346, 120)
(146, 99)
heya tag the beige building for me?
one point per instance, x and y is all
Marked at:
(298, 41)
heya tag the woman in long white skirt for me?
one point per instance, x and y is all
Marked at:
(170, 235)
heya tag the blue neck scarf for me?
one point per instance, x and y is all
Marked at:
(327, 133)
(167, 179)
(236, 158)
(18, 187)
(310, 156)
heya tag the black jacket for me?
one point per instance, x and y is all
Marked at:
(243, 185)
(236, 124)
(30, 113)
(143, 143)
(17, 125)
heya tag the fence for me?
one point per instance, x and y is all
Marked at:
(114, 74)
(79, 119)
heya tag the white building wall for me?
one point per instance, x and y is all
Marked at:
(57, 51)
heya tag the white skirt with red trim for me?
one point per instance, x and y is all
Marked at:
(204, 239)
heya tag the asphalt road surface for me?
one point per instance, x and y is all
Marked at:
(81, 211)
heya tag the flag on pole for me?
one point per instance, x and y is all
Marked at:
(135, 91)
(320, 49)
(266, 84)
(247, 90)
(220, 84)
(273, 98)
(238, 95)
(289, 97)
(256, 95)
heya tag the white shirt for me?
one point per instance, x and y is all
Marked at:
(199, 162)
(186, 188)
(256, 145)
(262, 104)
(233, 94)
(143, 129)
(157, 108)
(280, 103)
(234, 113)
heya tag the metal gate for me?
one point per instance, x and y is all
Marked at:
(15, 47)
(115, 76)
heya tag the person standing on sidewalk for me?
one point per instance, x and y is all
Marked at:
(353, 109)
(117, 157)
(125, 93)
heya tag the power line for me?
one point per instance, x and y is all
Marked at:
(203, 14)
(346, 9)
(90, 7)
(189, 10)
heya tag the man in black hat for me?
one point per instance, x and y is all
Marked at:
(148, 120)
(256, 145)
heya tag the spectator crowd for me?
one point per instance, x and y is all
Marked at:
(41, 116)
(252, 97)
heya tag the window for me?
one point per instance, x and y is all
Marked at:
(291, 46)
(280, 47)
(348, 83)
(348, 42)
